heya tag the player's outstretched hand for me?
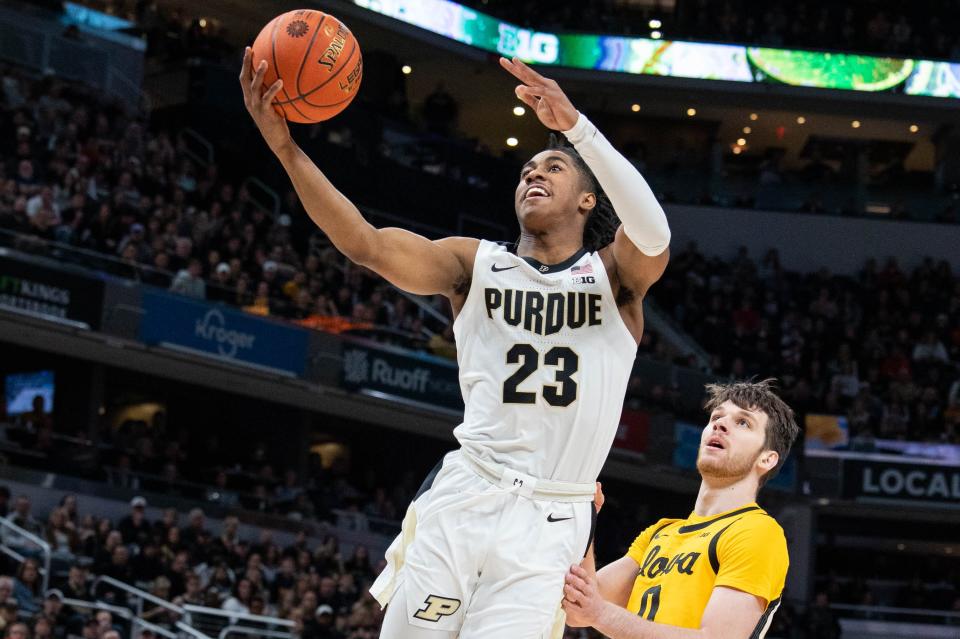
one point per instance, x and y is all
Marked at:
(272, 125)
(582, 600)
(543, 95)
(598, 498)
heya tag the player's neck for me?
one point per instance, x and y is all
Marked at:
(548, 248)
(717, 496)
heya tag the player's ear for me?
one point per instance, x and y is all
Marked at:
(768, 460)
(588, 201)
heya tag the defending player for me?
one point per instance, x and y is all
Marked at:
(546, 336)
(719, 572)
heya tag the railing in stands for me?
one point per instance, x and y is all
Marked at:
(197, 147)
(190, 631)
(195, 620)
(257, 187)
(10, 532)
(252, 632)
(136, 623)
(214, 621)
(139, 596)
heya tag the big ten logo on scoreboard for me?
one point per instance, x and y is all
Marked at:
(534, 46)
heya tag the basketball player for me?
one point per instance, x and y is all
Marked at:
(546, 335)
(719, 572)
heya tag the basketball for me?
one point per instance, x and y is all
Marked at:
(318, 59)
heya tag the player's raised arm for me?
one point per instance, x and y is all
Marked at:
(640, 247)
(410, 261)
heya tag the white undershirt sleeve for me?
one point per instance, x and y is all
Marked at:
(644, 221)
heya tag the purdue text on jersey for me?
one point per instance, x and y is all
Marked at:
(544, 314)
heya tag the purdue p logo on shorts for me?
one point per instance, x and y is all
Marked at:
(436, 607)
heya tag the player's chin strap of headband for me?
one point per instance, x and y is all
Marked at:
(643, 218)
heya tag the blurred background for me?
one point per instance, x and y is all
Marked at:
(212, 422)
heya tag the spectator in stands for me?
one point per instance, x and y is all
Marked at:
(22, 517)
(821, 622)
(196, 528)
(322, 625)
(8, 604)
(239, 601)
(27, 586)
(134, 528)
(17, 630)
(76, 586)
(42, 628)
(54, 610)
(61, 534)
(189, 281)
(69, 505)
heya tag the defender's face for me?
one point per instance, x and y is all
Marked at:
(731, 444)
(550, 187)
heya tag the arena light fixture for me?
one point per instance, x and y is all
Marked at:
(635, 108)
(737, 150)
(512, 141)
(801, 120)
(855, 124)
(691, 112)
(754, 117)
(519, 110)
(742, 142)
(654, 24)
(655, 35)
(914, 128)
(407, 69)
(747, 130)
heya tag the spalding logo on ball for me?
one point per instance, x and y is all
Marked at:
(318, 59)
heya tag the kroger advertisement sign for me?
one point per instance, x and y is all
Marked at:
(176, 321)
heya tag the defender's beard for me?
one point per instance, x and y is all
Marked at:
(726, 466)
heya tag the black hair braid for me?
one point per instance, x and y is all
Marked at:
(602, 222)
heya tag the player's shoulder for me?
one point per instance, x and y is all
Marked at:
(758, 524)
(661, 527)
(465, 248)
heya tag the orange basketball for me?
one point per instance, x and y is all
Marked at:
(318, 59)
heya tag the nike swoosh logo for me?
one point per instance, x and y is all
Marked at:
(497, 269)
(551, 518)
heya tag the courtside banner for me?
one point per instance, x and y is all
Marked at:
(184, 324)
(424, 379)
(47, 291)
(871, 480)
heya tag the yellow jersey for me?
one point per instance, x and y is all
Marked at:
(682, 560)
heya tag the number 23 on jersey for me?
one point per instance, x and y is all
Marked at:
(562, 358)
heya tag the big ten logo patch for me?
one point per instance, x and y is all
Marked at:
(434, 608)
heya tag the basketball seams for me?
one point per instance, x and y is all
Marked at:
(273, 53)
(336, 74)
(344, 66)
(306, 53)
(304, 96)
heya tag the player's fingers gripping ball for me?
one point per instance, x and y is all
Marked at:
(318, 59)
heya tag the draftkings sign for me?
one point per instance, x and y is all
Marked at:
(51, 292)
(865, 479)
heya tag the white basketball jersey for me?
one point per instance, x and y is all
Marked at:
(544, 363)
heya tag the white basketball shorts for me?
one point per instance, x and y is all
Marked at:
(483, 559)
